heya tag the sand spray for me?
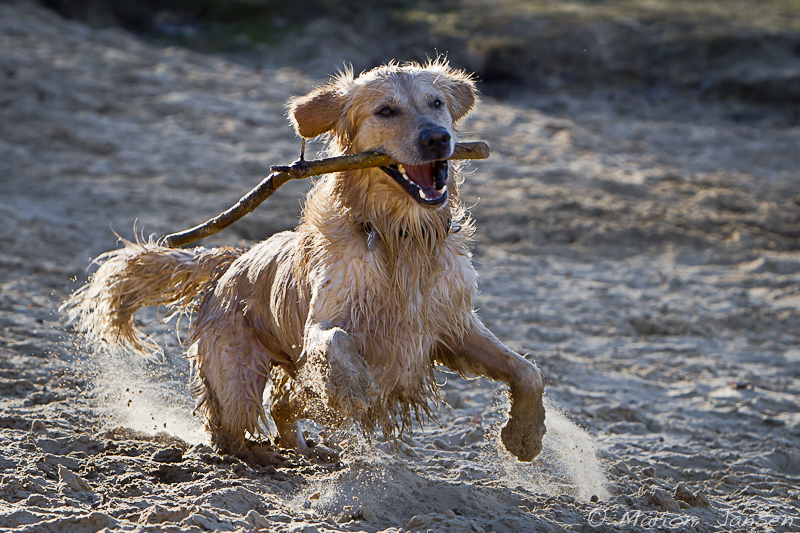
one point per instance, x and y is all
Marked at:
(153, 397)
(387, 481)
(568, 463)
(150, 396)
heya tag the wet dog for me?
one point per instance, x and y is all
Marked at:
(348, 315)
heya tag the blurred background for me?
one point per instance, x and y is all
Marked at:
(721, 49)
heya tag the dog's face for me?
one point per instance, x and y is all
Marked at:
(406, 112)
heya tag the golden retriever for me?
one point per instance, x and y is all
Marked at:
(348, 314)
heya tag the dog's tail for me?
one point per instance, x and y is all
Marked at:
(143, 274)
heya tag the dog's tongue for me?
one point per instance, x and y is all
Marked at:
(422, 175)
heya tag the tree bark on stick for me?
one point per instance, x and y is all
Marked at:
(300, 170)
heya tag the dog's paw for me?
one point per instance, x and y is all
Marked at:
(351, 391)
(254, 453)
(523, 435)
(261, 454)
(335, 381)
(324, 455)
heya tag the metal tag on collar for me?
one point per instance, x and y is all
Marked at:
(372, 240)
(372, 237)
(454, 228)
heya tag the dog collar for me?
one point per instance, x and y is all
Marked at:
(372, 233)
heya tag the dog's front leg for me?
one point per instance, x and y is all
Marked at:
(332, 371)
(479, 352)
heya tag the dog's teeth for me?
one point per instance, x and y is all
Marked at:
(402, 170)
(443, 189)
(421, 194)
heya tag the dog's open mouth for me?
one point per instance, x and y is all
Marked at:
(426, 183)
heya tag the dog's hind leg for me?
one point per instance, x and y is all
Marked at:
(285, 411)
(480, 353)
(233, 367)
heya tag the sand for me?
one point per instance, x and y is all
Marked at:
(640, 246)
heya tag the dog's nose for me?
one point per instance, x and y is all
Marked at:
(435, 143)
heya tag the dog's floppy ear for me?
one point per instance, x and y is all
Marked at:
(463, 94)
(317, 112)
(463, 97)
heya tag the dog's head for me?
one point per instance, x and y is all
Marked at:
(407, 112)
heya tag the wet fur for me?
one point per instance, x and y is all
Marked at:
(346, 334)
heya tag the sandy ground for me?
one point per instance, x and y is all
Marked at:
(639, 246)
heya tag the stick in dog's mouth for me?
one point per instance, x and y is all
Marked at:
(304, 169)
(426, 183)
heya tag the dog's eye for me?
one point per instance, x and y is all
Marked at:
(386, 111)
(436, 103)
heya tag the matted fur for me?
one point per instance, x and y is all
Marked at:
(345, 331)
(141, 274)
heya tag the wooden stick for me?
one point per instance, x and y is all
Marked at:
(299, 170)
